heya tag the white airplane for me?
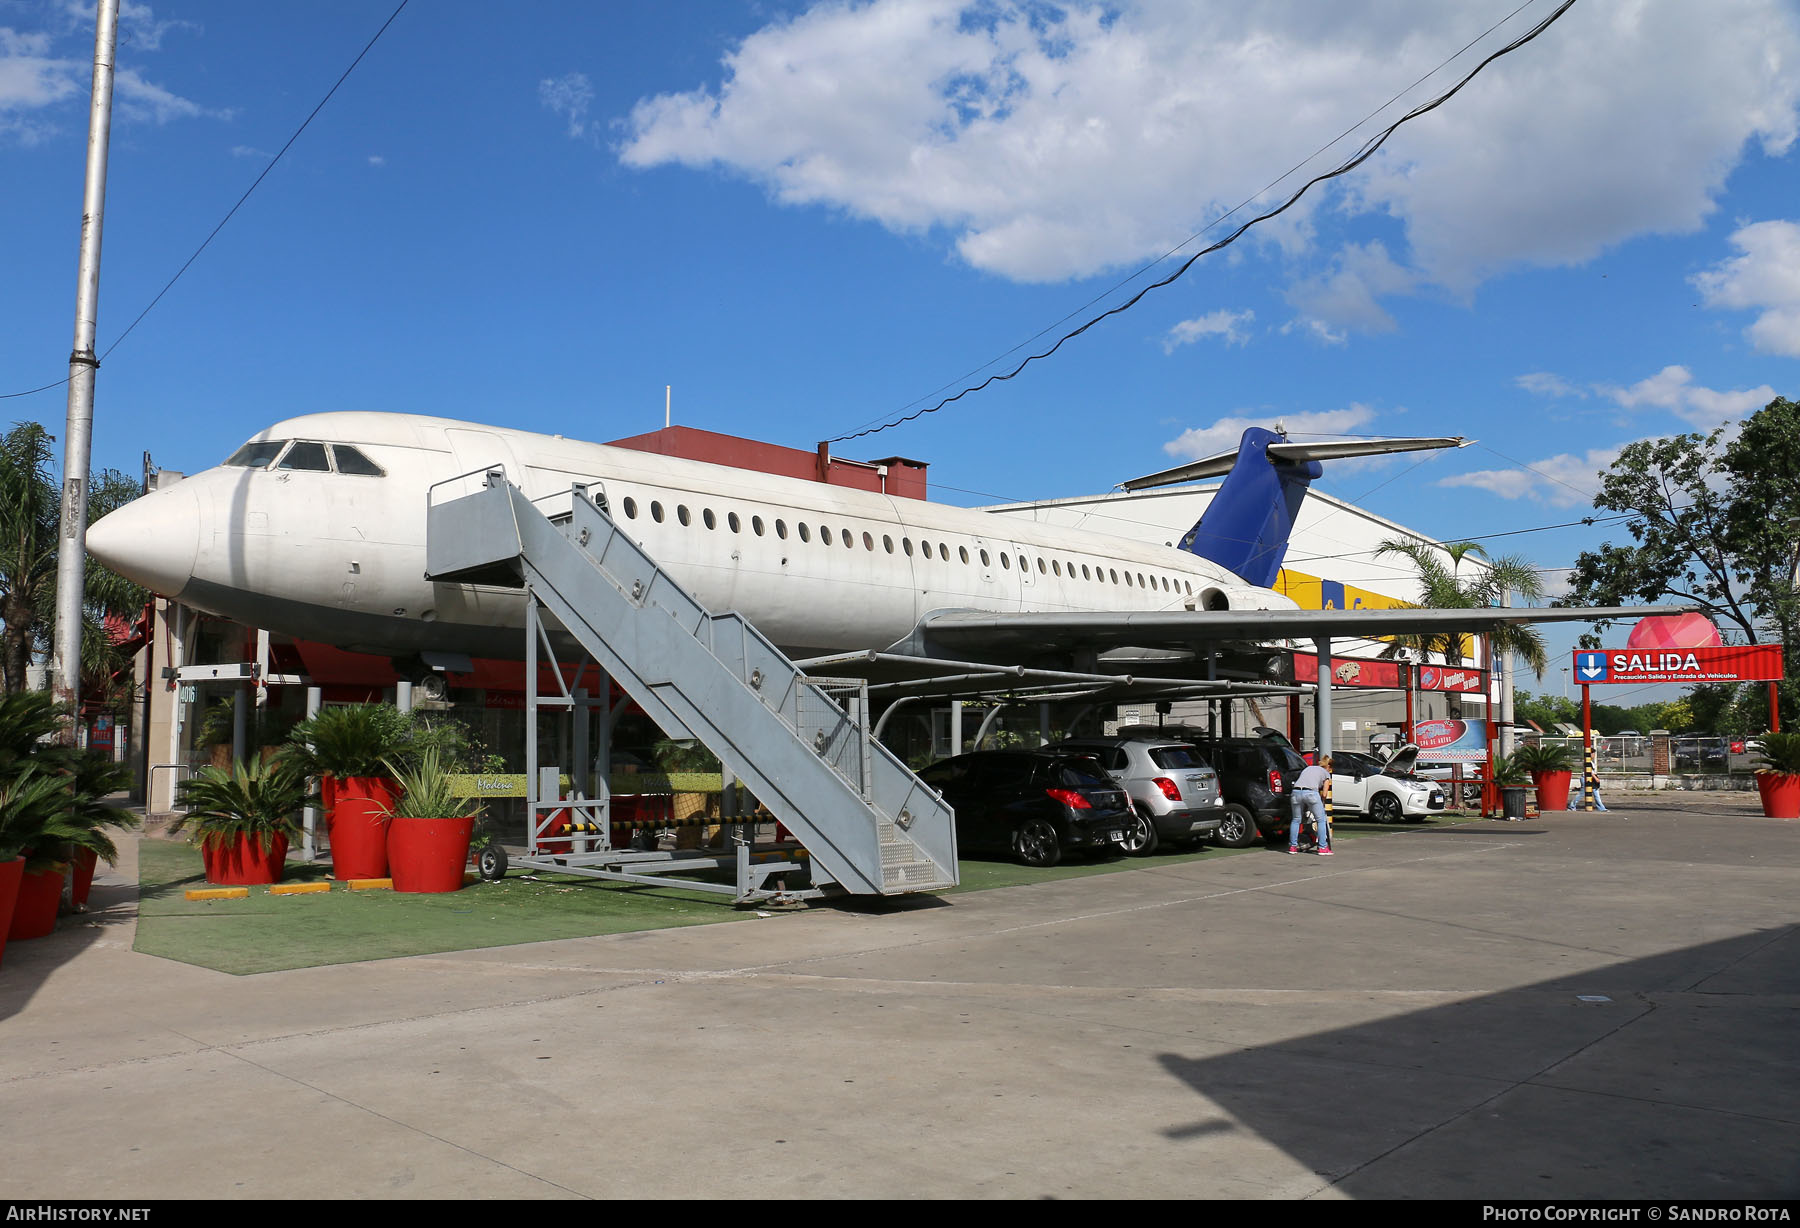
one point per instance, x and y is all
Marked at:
(316, 528)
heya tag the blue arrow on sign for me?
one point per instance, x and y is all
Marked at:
(1591, 667)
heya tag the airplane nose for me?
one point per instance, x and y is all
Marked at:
(152, 540)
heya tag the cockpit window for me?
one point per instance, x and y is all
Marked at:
(257, 453)
(349, 460)
(307, 456)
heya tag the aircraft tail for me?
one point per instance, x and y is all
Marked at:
(1245, 529)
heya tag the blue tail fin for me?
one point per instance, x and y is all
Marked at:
(1245, 528)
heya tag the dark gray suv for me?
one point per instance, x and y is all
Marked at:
(1173, 789)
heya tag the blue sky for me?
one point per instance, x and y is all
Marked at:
(811, 218)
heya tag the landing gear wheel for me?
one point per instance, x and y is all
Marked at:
(1385, 808)
(1141, 838)
(1237, 828)
(491, 863)
(1036, 844)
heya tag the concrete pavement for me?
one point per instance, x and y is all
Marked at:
(1577, 1007)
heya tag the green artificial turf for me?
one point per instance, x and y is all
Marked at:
(268, 933)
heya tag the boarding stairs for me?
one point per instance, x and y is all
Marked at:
(803, 748)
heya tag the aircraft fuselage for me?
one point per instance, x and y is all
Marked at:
(297, 540)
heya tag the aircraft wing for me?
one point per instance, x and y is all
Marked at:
(971, 634)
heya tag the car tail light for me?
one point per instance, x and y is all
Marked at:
(1070, 798)
(1274, 781)
(1168, 788)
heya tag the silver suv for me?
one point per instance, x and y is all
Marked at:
(1174, 791)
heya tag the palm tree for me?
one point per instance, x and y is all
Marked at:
(1444, 588)
(30, 516)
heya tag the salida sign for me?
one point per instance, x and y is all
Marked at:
(1728, 663)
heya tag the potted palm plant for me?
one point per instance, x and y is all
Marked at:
(34, 825)
(347, 746)
(1778, 775)
(89, 777)
(243, 818)
(1551, 768)
(1510, 778)
(429, 826)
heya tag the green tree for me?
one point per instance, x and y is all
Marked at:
(1445, 588)
(1714, 521)
(30, 516)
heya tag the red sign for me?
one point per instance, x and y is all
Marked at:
(1348, 671)
(1446, 678)
(1728, 663)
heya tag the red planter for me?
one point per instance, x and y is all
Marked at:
(10, 873)
(1552, 789)
(1780, 794)
(34, 912)
(356, 813)
(242, 861)
(428, 855)
(83, 870)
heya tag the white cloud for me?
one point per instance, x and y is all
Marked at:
(1196, 443)
(1053, 143)
(1549, 384)
(1345, 298)
(1563, 480)
(569, 96)
(1673, 389)
(1765, 279)
(377, 160)
(35, 81)
(1566, 479)
(1228, 325)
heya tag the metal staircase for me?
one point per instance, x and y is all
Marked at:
(801, 744)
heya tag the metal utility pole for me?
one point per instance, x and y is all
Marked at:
(71, 557)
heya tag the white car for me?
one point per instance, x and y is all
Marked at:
(1387, 790)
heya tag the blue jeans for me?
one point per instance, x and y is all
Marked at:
(1309, 801)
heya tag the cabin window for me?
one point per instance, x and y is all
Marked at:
(756, 525)
(706, 515)
(1128, 579)
(681, 514)
(849, 539)
(984, 558)
(887, 543)
(781, 529)
(1041, 567)
(1084, 572)
(1113, 574)
(309, 457)
(656, 512)
(1006, 561)
(257, 453)
(351, 460)
(630, 508)
(731, 519)
(825, 534)
(1024, 563)
(964, 551)
(805, 533)
(868, 541)
(1055, 567)
(906, 545)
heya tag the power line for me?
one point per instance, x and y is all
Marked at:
(169, 285)
(1367, 151)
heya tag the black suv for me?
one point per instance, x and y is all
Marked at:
(1256, 777)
